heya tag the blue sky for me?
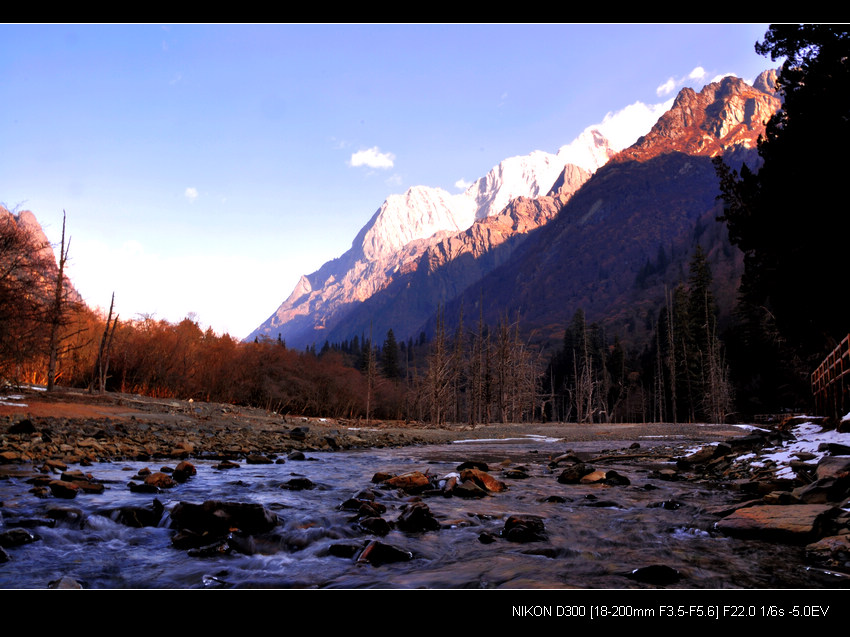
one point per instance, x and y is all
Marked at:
(204, 168)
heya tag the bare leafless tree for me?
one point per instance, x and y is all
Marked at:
(57, 310)
(102, 364)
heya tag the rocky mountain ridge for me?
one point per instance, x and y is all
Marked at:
(657, 197)
(406, 225)
(725, 114)
(655, 193)
(448, 267)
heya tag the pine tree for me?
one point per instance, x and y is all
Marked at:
(786, 217)
(390, 357)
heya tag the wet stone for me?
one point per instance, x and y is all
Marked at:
(344, 550)
(374, 525)
(524, 528)
(574, 473)
(416, 517)
(657, 574)
(16, 537)
(298, 484)
(63, 489)
(378, 554)
(469, 489)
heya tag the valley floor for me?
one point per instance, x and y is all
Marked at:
(126, 425)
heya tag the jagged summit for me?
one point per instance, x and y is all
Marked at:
(407, 224)
(591, 150)
(724, 114)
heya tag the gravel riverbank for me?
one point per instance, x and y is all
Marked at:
(74, 426)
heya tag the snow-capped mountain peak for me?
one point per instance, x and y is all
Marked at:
(404, 227)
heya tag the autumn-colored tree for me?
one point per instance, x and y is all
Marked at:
(26, 262)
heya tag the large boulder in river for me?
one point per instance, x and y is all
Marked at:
(411, 482)
(795, 523)
(218, 517)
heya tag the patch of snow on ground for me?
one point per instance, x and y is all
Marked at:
(808, 438)
(11, 400)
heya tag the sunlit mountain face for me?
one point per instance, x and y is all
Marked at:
(539, 236)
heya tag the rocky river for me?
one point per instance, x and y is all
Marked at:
(765, 508)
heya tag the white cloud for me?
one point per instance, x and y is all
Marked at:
(462, 184)
(717, 78)
(665, 89)
(697, 74)
(373, 158)
(625, 126)
(191, 194)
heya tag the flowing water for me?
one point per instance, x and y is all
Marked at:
(595, 535)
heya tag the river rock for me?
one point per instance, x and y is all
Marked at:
(794, 523)
(8, 457)
(344, 549)
(377, 553)
(524, 528)
(375, 525)
(473, 464)
(832, 551)
(833, 467)
(658, 574)
(84, 481)
(23, 426)
(705, 454)
(298, 484)
(160, 480)
(16, 537)
(837, 449)
(411, 482)
(299, 433)
(66, 583)
(565, 458)
(138, 517)
(483, 480)
(55, 465)
(63, 489)
(215, 549)
(614, 479)
(182, 449)
(468, 489)
(184, 471)
(574, 473)
(369, 510)
(416, 517)
(219, 517)
(823, 490)
(66, 516)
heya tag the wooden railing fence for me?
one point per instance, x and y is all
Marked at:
(831, 382)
